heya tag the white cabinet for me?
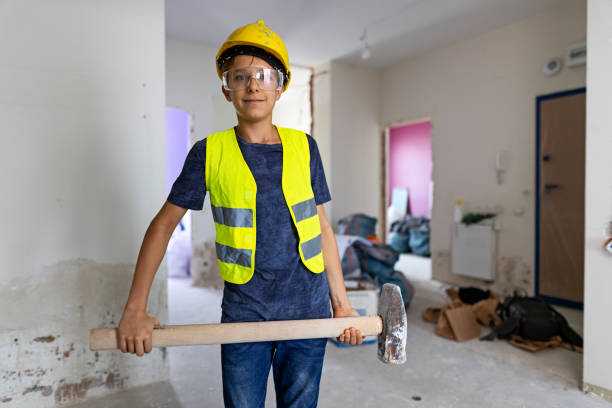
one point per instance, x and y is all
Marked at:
(473, 251)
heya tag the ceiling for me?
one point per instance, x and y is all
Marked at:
(316, 31)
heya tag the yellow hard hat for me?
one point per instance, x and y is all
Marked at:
(260, 36)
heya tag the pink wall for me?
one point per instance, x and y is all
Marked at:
(410, 164)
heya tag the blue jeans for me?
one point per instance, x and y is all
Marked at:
(296, 366)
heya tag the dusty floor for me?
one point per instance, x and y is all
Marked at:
(438, 373)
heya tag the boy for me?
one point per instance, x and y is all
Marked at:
(273, 238)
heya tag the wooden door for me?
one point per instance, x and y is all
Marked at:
(560, 212)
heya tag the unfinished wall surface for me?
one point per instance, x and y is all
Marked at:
(480, 95)
(598, 209)
(83, 173)
(355, 140)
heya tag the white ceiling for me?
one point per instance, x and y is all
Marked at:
(316, 31)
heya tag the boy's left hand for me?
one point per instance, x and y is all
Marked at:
(350, 335)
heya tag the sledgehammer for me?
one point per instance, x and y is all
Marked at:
(389, 325)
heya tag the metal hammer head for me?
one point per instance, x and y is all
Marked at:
(392, 339)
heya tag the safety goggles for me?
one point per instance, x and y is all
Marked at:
(267, 79)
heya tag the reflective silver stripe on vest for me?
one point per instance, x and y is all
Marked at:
(231, 255)
(304, 210)
(233, 217)
(312, 247)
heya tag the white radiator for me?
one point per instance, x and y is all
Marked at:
(473, 251)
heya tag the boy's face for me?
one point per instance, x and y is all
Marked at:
(251, 103)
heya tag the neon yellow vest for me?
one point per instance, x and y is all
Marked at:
(233, 193)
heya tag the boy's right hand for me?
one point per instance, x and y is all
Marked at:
(136, 332)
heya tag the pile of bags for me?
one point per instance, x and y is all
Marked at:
(367, 261)
(533, 324)
(357, 225)
(373, 263)
(411, 235)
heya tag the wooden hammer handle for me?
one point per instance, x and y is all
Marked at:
(221, 333)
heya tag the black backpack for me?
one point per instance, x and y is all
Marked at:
(533, 319)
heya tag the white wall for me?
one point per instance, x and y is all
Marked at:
(322, 123)
(355, 140)
(83, 170)
(480, 95)
(598, 263)
(321, 100)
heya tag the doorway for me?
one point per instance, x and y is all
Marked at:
(178, 132)
(407, 195)
(560, 172)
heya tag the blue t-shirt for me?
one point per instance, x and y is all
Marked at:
(281, 288)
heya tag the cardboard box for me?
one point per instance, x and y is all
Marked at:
(459, 321)
(364, 299)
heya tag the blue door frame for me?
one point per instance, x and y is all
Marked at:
(550, 299)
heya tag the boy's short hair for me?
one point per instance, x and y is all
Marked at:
(228, 55)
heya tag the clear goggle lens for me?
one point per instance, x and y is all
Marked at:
(267, 79)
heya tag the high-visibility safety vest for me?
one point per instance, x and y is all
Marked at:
(233, 192)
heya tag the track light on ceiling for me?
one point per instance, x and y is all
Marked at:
(365, 47)
(365, 52)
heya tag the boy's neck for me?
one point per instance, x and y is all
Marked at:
(263, 132)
